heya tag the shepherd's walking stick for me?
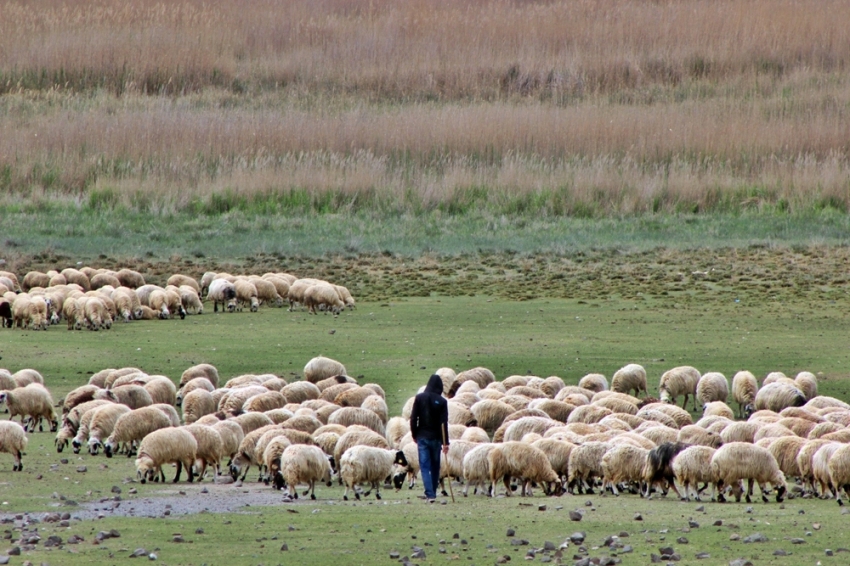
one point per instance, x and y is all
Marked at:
(451, 491)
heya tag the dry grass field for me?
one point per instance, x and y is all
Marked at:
(581, 108)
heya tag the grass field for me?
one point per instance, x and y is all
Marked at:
(397, 344)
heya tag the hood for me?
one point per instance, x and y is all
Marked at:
(435, 385)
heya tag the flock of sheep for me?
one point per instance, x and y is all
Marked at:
(94, 298)
(520, 431)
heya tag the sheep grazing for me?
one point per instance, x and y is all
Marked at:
(367, 464)
(222, 292)
(712, 386)
(525, 462)
(246, 295)
(839, 472)
(744, 389)
(718, 409)
(628, 378)
(779, 395)
(134, 426)
(206, 371)
(322, 295)
(738, 461)
(623, 463)
(300, 464)
(266, 291)
(680, 380)
(692, 466)
(32, 403)
(476, 468)
(320, 368)
(160, 447)
(13, 440)
(210, 448)
(130, 278)
(101, 424)
(807, 382)
(585, 464)
(85, 393)
(594, 382)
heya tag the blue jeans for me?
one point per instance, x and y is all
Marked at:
(429, 464)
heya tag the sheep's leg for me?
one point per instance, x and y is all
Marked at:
(686, 486)
(179, 469)
(507, 481)
(750, 483)
(377, 486)
(18, 465)
(685, 402)
(246, 473)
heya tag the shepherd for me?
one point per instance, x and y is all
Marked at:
(429, 426)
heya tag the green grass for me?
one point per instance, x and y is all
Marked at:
(398, 344)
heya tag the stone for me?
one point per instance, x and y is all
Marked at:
(717, 523)
(780, 552)
(798, 541)
(53, 540)
(285, 547)
(702, 555)
(418, 554)
(740, 562)
(682, 540)
(550, 546)
(541, 507)
(152, 556)
(4, 559)
(75, 539)
(829, 552)
(394, 555)
(755, 537)
(638, 517)
(575, 516)
(734, 537)
(693, 524)
(82, 469)
(700, 509)
(510, 532)
(139, 552)
(668, 550)
(577, 537)
(117, 490)
(178, 538)
(627, 549)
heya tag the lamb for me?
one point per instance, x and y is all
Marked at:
(222, 292)
(744, 390)
(680, 380)
(32, 402)
(206, 371)
(778, 396)
(164, 446)
(623, 463)
(712, 386)
(594, 382)
(738, 461)
(246, 295)
(101, 424)
(320, 368)
(629, 377)
(134, 426)
(13, 440)
(367, 464)
(523, 461)
(300, 464)
(692, 466)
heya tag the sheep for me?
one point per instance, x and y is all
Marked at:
(178, 280)
(367, 464)
(77, 277)
(823, 401)
(134, 396)
(13, 440)
(785, 450)
(34, 279)
(6, 318)
(738, 461)
(717, 408)
(680, 416)
(585, 464)
(322, 295)
(378, 406)
(744, 389)
(696, 435)
(351, 396)
(623, 463)
(102, 280)
(133, 426)
(480, 375)
(271, 453)
(281, 286)
(739, 432)
(266, 291)
(594, 382)
(246, 295)
(161, 390)
(247, 454)
(320, 368)
(101, 423)
(800, 427)
(190, 300)
(263, 402)
(807, 382)
(206, 371)
(616, 405)
(681, 380)
(231, 437)
(476, 467)
(71, 423)
(629, 377)
(524, 461)
(357, 436)
(519, 428)
(164, 446)
(490, 414)
(348, 416)
(30, 312)
(557, 410)
(659, 467)
(127, 304)
(130, 278)
(32, 402)
(692, 466)
(252, 421)
(712, 386)
(345, 297)
(300, 464)
(303, 423)
(395, 430)
(210, 449)
(222, 292)
(82, 394)
(778, 396)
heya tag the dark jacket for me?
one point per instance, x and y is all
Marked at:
(429, 418)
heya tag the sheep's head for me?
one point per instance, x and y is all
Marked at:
(401, 459)
(278, 481)
(138, 313)
(144, 469)
(76, 445)
(398, 479)
(107, 449)
(748, 410)
(664, 395)
(255, 304)
(94, 446)
(60, 444)
(3, 396)
(231, 305)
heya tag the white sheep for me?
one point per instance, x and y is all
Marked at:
(744, 389)
(807, 382)
(629, 377)
(206, 371)
(692, 466)
(681, 380)
(322, 295)
(134, 426)
(164, 446)
(222, 291)
(101, 424)
(300, 464)
(738, 461)
(778, 395)
(246, 295)
(594, 382)
(210, 449)
(320, 368)
(585, 465)
(524, 462)
(712, 386)
(623, 463)
(32, 403)
(717, 408)
(367, 464)
(13, 440)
